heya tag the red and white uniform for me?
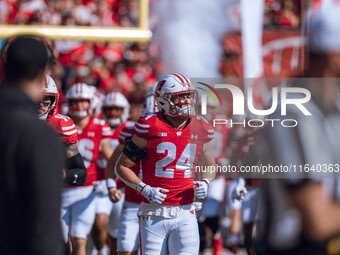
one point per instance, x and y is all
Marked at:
(78, 203)
(170, 164)
(118, 137)
(65, 127)
(89, 143)
(131, 195)
(114, 140)
(172, 155)
(128, 227)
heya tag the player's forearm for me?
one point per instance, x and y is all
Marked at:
(124, 172)
(106, 147)
(110, 172)
(207, 162)
(209, 176)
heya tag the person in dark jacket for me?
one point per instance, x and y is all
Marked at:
(31, 158)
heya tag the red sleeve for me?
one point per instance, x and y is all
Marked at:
(126, 132)
(142, 127)
(207, 129)
(68, 130)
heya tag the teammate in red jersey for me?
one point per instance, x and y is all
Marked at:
(75, 171)
(79, 203)
(128, 227)
(175, 140)
(115, 110)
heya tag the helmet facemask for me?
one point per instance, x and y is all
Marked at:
(183, 104)
(112, 119)
(51, 106)
(77, 113)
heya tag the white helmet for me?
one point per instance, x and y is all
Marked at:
(97, 102)
(168, 92)
(50, 89)
(80, 91)
(150, 102)
(116, 99)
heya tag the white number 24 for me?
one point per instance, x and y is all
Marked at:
(184, 163)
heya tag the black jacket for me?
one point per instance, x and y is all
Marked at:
(30, 179)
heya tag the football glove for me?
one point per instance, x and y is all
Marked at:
(201, 188)
(155, 196)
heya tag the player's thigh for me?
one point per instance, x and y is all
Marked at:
(70, 197)
(128, 228)
(115, 216)
(153, 235)
(184, 238)
(103, 204)
(82, 217)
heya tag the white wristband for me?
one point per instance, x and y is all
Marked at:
(140, 186)
(206, 180)
(111, 183)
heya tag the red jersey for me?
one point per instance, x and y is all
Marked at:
(172, 155)
(114, 141)
(131, 195)
(88, 144)
(65, 127)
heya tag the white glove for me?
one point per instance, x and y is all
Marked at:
(240, 190)
(100, 187)
(201, 188)
(154, 195)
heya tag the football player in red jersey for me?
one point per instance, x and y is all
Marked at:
(75, 172)
(115, 110)
(79, 206)
(128, 227)
(175, 141)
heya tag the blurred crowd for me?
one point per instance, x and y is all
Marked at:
(120, 66)
(282, 13)
(110, 66)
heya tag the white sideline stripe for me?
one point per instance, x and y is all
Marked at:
(211, 136)
(68, 128)
(142, 125)
(211, 131)
(70, 132)
(141, 130)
